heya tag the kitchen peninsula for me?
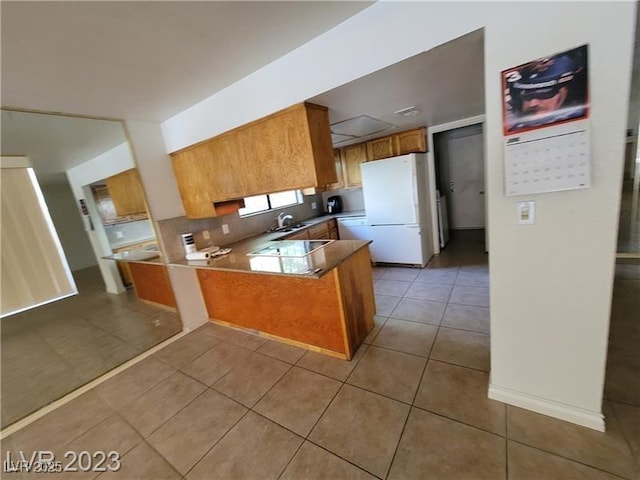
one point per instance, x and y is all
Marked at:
(322, 301)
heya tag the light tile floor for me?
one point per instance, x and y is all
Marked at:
(49, 351)
(412, 404)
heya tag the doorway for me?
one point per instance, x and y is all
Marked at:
(460, 175)
(457, 158)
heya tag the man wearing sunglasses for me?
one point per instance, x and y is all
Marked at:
(548, 91)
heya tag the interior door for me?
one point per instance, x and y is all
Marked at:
(466, 180)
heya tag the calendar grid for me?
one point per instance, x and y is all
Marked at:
(549, 163)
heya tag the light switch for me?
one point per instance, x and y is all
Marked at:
(225, 228)
(314, 205)
(205, 234)
(526, 213)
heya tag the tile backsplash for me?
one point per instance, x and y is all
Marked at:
(239, 228)
(352, 198)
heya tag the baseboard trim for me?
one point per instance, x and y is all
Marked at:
(585, 418)
(195, 324)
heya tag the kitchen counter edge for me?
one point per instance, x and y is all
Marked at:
(337, 252)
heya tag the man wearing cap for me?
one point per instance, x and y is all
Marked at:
(547, 91)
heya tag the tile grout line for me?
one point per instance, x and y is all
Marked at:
(475, 427)
(161, 456)
(395, 451)
(145, 437)
(423, 372)
(344, 459)
(217, 441)
(506, 450)
(406, 420)
(91, 386)
(569, 459)
(306, 437)
(625, 436)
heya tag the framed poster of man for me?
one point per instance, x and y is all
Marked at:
(547, 91)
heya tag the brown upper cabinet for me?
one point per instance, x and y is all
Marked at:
(339, 174)
(350, 157)
(380, 148)
(287, 150)
(411, 141)
(125, 190)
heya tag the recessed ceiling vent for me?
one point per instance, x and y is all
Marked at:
(407, 112)
(337, 138)
(360, 126)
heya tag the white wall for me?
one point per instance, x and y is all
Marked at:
(68, 223)
(109, 163)
(551, 282)
(156, 171)
(163, 198)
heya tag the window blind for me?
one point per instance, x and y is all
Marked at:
(34, 269)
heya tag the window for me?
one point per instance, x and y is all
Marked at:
(263, 203)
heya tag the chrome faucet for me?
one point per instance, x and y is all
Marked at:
(282, 218)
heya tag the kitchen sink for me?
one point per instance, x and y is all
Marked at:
(288, 228)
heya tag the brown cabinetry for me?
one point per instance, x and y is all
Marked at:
(288, 150)
(380, 148)
(321, 231)
(411, 141)
(107, 209)
(339, 175)
(304, 235)
(332, 314)
(333, 230)
(348, 159)
(126, 192)
(324, 230)
(151, 283)
(352, 156)
(123, 267)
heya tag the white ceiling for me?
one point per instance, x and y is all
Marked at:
(146, 60)
(55, 143)
(445, 84)
(151, 60)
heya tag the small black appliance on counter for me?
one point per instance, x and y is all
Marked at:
(334, 204)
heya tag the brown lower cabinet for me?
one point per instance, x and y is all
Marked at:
(325, 230)
(332, 314)
(151, 283)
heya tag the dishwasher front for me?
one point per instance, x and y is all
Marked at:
(353, 228)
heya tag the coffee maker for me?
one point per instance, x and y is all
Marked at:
(334, 204)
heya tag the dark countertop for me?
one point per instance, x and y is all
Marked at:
(138, 255)
(131, 242)
(314, 265)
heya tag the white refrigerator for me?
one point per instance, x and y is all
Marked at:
(396, 199)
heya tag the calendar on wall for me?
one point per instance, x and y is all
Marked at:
(546, 124)
(548, 160)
